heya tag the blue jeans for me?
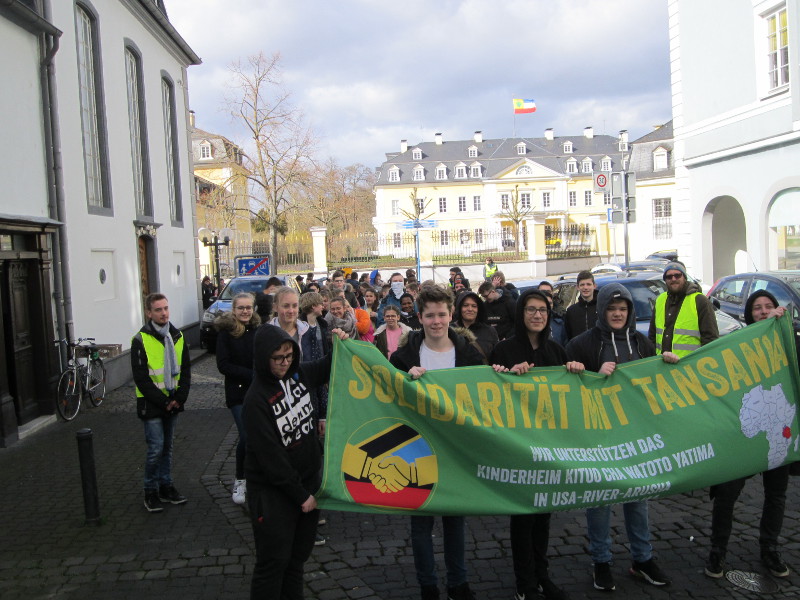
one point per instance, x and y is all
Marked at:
(158, 434)
(236, 411)
(422, 545)
(598, 520)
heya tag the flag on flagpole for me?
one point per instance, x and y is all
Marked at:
(524, 106)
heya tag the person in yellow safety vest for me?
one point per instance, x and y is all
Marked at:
(161, 373)
(489, 269)
(683, 318)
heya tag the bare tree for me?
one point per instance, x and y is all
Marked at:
(281, 148)
(516, 212)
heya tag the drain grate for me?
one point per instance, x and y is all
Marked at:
(753, 582)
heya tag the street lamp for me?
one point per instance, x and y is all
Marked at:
(211, 239)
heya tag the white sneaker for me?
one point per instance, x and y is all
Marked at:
(239, 491)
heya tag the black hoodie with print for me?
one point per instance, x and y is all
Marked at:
(280, 419)
(517, 348)
(601, 344)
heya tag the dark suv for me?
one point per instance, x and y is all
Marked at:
(223, 303)
(730, 293)
(644, 286)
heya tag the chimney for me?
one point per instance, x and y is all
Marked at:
(437, 137)
(191, 119)
(478, 137)
(588, 132)
(623, 136)
(403, 146)
(548, 134)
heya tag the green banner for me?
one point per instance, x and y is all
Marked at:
(469, 441)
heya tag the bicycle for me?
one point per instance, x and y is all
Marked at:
(84, 375)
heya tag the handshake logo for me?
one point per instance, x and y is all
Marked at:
(393, 467)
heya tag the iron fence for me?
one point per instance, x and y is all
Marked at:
(570, 241)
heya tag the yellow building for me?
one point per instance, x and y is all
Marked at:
(482, 193)
(223, 202)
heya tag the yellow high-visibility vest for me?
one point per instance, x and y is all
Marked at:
(686, 333)
(154, 350)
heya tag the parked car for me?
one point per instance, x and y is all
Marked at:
(668, 255)
(643, 265)
(224, 301)
(644, 286)
(730, 293)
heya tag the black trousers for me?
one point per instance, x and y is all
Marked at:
(530, 537)
(284, 537)
(725, 495)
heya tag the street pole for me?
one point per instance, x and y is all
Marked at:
(417, 226)
(625, 215)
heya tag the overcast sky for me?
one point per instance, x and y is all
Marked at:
(368, 73)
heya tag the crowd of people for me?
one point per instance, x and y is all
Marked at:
(276, 386)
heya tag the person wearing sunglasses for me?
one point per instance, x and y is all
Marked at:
(284, 460)
(683, 318)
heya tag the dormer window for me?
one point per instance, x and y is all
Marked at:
(461, 171)
(572, 166)
(394, 174)
(205, 150)
(660, 161)
(472, 152)
(522, 148)
(475, 170)
(605, 164)
(586, 165)
(567, 147)
(419, 173)
(416, 154)
(441, 172)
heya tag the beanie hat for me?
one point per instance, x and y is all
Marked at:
(674, 266)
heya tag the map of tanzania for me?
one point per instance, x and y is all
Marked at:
(768, 411)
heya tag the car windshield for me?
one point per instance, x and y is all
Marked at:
(644, 295)
(237, 286)
(793, 281)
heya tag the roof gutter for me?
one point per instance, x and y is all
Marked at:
(162, 20)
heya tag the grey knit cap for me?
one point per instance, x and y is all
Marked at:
(674, 266)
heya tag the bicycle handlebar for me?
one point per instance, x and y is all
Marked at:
(78, 342)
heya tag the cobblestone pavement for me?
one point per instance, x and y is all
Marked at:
(204, 548)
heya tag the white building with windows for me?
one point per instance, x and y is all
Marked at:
(98, 207)
(736, 111)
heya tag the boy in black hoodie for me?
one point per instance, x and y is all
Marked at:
(759, 306)
(530, 346)
(283, 462)
(614, 340)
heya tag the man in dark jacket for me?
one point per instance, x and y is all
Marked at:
(437, 346)
(582, 315)
(760, 305)
(611, 341)
(283, 462)
(530, 346)
(500, 309)
(683, 318)
(161, 371)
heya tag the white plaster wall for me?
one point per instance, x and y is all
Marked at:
(113, 315)
(23, 167)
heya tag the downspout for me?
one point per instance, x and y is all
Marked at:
(62, 291)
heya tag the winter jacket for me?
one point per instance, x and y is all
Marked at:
(580, 317)
(153, 402)
(234, 358)
(280, 420)
(517, 348)
(500, 314)
(302, 328)
(485, 334)
(601, 344)
(380, 337)
(467, 352)
(706, 319)
(264, 306)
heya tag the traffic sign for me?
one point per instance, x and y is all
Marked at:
(601, 183)
(418, 224)
(258, 265)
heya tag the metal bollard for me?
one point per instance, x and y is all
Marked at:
(91, 500)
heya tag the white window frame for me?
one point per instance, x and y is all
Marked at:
(397, 240)
(524, 200)
(441, 173)
(586, 165)
(461, 172)
(444, 237)
(171, 146)
(416, 154)
(418, 174)
(778, 63)
(662, 218)
(205, 151)
(606, 198)
(546, 198)
(442, 205)
(573, 198)
(475, 171)
(505, 201)
(395, 207)
(479, 236)
(523, 171)
(476, 203)
(587, 197)
(660, 162)
(568, 147)
(605, 164)
(572, 166)
(140, 162)
(521, 149)
(472, 152)
(394, 175)
(462, 204)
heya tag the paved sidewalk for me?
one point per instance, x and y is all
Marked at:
(203, 549)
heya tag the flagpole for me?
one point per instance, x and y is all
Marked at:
(515, 123)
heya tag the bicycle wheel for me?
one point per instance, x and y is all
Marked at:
(68, 395)
(97, 381)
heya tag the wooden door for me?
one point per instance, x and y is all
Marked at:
(144, 270)
(18, 294)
